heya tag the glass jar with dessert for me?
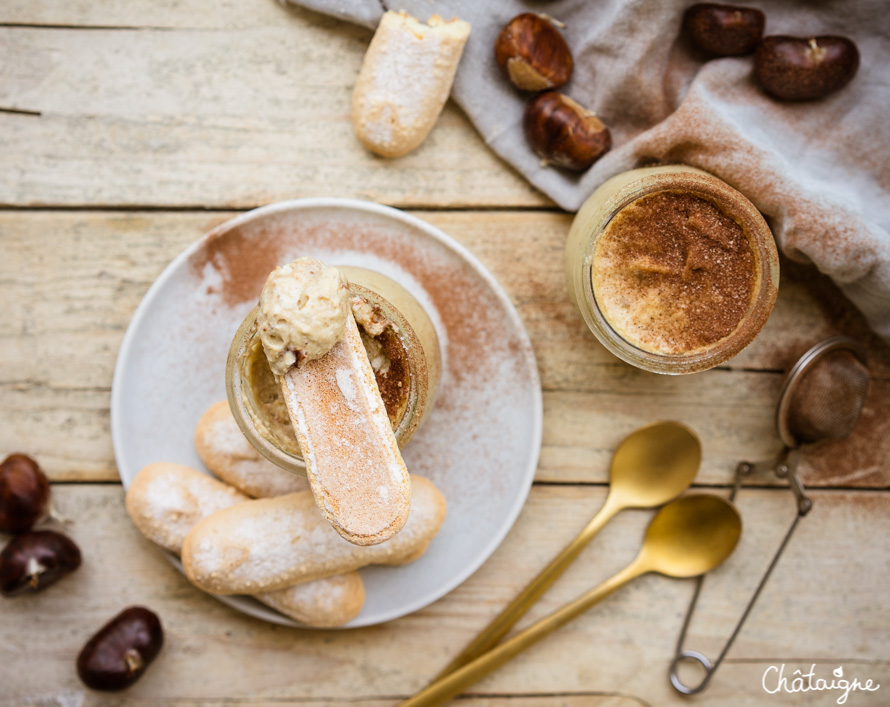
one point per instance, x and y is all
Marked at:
(673, 270)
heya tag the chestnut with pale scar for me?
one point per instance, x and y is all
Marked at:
(532, 53)
(355, 469)
(563, 132)
(805, 68)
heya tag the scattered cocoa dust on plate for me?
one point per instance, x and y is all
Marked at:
(242, 257)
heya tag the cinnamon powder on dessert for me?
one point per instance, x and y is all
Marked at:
(673, 273)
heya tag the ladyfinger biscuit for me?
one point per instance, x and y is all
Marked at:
(404, 81)
(353, 461)
(167, 500)
(262, 545)
(229, 456)
(323, 603)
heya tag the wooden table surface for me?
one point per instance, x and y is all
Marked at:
(127, 130)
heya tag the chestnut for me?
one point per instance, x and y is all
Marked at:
(532, 53)
(35, 560)
(724, 30)
(804, 69)
(564, 133)
(24, 494)
(120, 652)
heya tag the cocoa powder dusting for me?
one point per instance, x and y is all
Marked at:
(243, 257)
(673, 273)
(464, 303)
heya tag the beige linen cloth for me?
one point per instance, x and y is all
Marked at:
(819, 171)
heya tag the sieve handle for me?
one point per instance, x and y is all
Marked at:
(786, 468)
(699, 658)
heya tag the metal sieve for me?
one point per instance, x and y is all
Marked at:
(823, 394)
(821, 398)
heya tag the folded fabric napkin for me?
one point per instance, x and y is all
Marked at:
(819, 170)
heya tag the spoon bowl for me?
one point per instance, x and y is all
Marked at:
(654, 465)
(691, 536)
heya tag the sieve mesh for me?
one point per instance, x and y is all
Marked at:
(827, 399)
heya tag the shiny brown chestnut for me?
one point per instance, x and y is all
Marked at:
(24, 494)
(120, 652)
(563, 132)
(532, 53)
(33, 561)
(724, 30)
(805, 68)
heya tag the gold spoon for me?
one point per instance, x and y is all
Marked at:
(687, 538)
(651, 466)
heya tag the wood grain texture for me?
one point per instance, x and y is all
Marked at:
(74, 279)
(222, 118)
(619, 651)
(177, 104)
(171, 14)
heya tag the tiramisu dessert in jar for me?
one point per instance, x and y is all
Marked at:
(402, 347)
(343, 370)
(673, 270)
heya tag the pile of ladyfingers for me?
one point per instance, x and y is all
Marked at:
(256, 529)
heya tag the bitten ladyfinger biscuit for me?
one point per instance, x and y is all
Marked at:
(166, 501)
(266, 544)
(405, 80)
(228, 455)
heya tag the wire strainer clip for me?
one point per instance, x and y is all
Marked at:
(821, 398)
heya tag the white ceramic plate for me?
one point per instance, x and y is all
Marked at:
(480, 443)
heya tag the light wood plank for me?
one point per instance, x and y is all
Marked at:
(71, 698)
(229, 118)
(173, 14)
(833, 570)
(73, 280)
(71, 298)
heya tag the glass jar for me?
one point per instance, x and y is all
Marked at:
(406, 360)
(584, 262)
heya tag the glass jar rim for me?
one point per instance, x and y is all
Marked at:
(416, 397)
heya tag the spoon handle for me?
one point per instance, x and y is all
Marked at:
(523, 601)
(453, 684)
